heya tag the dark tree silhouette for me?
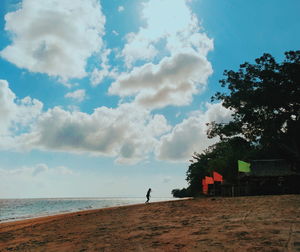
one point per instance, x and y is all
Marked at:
(221, 157)
(265, 99)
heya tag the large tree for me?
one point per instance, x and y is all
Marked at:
(265, 100)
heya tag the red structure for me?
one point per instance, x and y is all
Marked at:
(204, 187)
(209, 180)
(217, 176)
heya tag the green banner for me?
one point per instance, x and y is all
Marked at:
(243, 166)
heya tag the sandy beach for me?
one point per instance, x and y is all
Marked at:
(259, 223)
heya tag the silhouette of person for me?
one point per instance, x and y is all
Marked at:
(148, 195)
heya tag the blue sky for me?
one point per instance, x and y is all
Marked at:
(109, 98)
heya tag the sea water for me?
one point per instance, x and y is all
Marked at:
(18, 209)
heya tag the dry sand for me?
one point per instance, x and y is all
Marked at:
(260, 223)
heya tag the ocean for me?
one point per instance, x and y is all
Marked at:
(19, 209)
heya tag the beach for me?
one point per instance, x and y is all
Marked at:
(257, 223)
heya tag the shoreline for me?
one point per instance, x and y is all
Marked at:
(80, 210)
(256, 223)
(68, 214)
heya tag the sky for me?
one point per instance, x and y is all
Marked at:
(106, 98)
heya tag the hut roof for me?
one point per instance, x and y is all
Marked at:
(271, 167)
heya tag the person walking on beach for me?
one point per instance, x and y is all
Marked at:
(148, 195)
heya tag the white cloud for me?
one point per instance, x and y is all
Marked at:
(16, 115)
(190, 135)
(127, 133)
(54, 37)
(171, 82)
(36, 170)
(176, 41)
(78, 95)
(121, 8)
(138, 48)
(179, 28)
(38, 180)
(115, 33)
(8, 107)
(105, 70)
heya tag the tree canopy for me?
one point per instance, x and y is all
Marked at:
(265, 100)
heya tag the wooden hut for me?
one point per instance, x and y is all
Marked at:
(270, 176)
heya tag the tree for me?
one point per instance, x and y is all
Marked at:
(197, 170)
(221, 157)
(181, 193)
(265, 100)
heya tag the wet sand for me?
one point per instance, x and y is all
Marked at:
(259, 223)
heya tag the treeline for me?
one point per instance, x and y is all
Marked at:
(265, 101)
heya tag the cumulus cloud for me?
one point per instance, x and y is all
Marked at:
(171, 82)
(16, 114)
(190, 135)
(137, 48)
(176, 41)
(8, 107)
(54, 37)
(78, 95)
(127, 133)
(178, 29)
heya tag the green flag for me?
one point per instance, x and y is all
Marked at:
(243, 166)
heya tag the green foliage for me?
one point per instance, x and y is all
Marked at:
(195, 172)
(221, 157)
(181, 193)
(265, 99)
